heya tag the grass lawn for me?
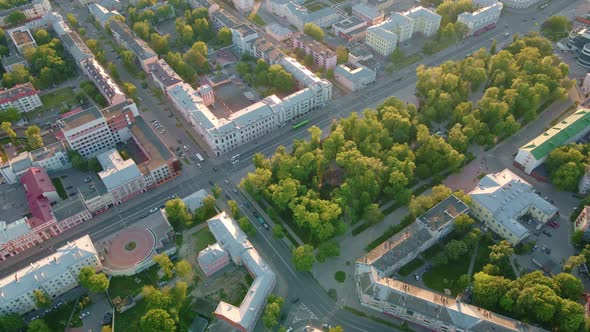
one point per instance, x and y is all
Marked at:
(256, 19)
(315, 7)
(410, 267)
(440, 277)
(56, 98)
(410, 59)
(483, 254)
(203, 239)
(432, 251)
(59, 186)
(129, 320)
(123, 286)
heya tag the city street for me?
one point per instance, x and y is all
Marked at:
(292, 284)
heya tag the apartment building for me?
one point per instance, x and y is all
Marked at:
(500, 199)
(212, 259)
(243, 5)
(234, 243)
(482, 18)
(9, 63)
(54, 275)
(262, 48)
(384, 37)
(243, 37)
(221, 19)
(351, 28)
(164, 76)
(70, 39)
(425, 21)
(122, 178)
(51, 157)
(584, 184)
(533, 154)
(101, 14)
(24, 97)
(103, 81)
(87, 132)
(278, 32)
(323, 57)
(32, 10)
(371, 15)
(354, 77)
(583, 221)
(21, 38)
(126, 38)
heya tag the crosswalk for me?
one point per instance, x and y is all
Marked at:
(303, 313)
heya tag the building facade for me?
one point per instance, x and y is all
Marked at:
(243, 37)
(425, 21)
(500, 199)
(243, 5)
(122, 178)
(371, 15)
(583, 221)
(87, 132)
(54, 275)
(103, 81)
(584, 184)
(519, 3)
(572, 128)
(351, 29)
(24, 97)
(354, 77)
(212, 259)
(323, 56)
(125, 37)
(481, 19)
(32, 10)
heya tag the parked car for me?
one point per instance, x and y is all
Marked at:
(547, 233)
(185, 147)
(84, 314)
(295, 300)
(211, 183)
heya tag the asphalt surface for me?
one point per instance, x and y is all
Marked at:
(275, 252)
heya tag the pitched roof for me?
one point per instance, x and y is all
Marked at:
(560, 134)
(37, 184)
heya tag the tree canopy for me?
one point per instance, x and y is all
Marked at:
(177, 213)
(313, 31)
(157, 320)
(96, 283)
(303, 258)
(566, 165)
(556, 27)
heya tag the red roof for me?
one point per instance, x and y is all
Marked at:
(37, 184)
(17, 92)
(71, 112)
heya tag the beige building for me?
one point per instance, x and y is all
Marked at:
(500, 199)
(53, 275)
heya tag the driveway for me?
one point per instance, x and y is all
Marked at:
(100, 305)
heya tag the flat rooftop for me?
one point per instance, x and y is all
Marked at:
(77, 119)
(21, 37)
(443, 212)
(158, 153)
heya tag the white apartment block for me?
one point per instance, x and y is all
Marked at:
(32, 10)
(354, 77)
(122, 178)
(87, 132)
(425, 21)
(53, 275)
(519, 3)
(584, 185)
(24, 97)
(481, 18)
(243, 37)
(243, 5)
(384, 37)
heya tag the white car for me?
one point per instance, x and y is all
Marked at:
(84, 314)
(185, 147)
(153, 210)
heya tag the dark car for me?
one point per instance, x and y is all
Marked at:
(295, 300)
(227, 196)
(246, 204)
(211, 183)
(547, 233)
(255, 214)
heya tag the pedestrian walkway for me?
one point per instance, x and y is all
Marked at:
(472, 262)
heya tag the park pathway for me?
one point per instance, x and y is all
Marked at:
(472, 262)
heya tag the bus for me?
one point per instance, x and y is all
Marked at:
(300, 124)
(201, 159)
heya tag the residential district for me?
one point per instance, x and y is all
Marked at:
(291, 165)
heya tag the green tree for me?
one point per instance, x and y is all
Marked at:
(246, 226)
(493, 48)
(216, 191)
(165, 264)
(500, 255)
(488, 290)
(177, 213)
(183, 269)
(72, 20)
(130, 89)
(457, 138)
(464, 223)
(336, 329)
(568, 176)
(15, 18)
(6, 127)
(327, 249)
(157, 320)
(313, 31)
(42, 37)
(142, 29)
(341, 54)
(156, 298)
(573, 262)
(160, 43)
(38, 325)
(270, 317)
(278, 231)
(397, 55)
(19, 74)
(233, 209)
(11, 323)
(93, 165)
(372, 214)
(570, 287)
(128, 58)
(89, 279)
(570, 316)
(11, 115)
(280, 79)
(42, 300)
(556, 27)
(33, 135)
(178, 294)
(224, 36)
(303, 258)
(578, 239)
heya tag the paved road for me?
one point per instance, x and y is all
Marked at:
(193, 178)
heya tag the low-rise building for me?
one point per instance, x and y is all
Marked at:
(195, 200)
(24, 97)
(122, 178)
(323, 56)
(232, 240)
(350, 28)
(243, 5)
(425, 21)
(299, 15)
(354, 77)
(481, 19)
(584, 184)
(500, 199)
(101, 14)
(126, 38)
(533, 154)
(222, 19)
(519, 3)
(583, 221)
(579, 37)
(264, 49)
(103, 81)
(53, 275)
(70, 39)
(278, 32)
(243, 37)
(358, 55)
(32, 11)
(164, 76)
(52, 158)
(9, 63)
(212, 259)
(371, 15)
(22, 39)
